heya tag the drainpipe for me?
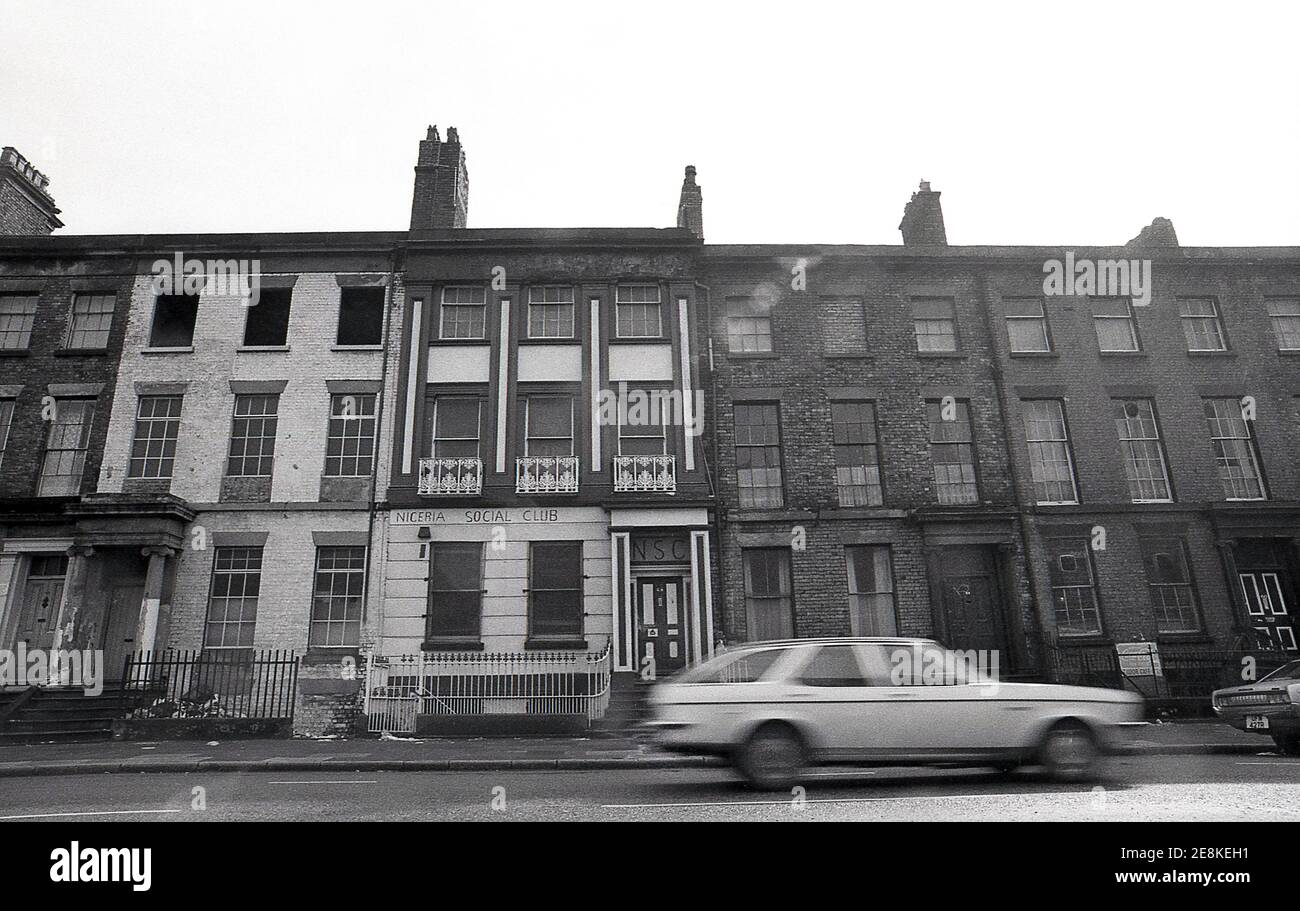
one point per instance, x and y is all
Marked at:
(380, 402)
(1013, 461)
(720, 603)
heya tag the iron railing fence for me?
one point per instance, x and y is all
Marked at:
(400, 687)
(1186, 674)
(653, 473)
(213, 683)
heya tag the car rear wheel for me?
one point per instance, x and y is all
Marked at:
(1069, 752)
(1287, 744)
(772, 758)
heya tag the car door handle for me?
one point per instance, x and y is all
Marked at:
(902, 695)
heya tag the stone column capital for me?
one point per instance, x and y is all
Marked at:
(158, 550)
(80, 550)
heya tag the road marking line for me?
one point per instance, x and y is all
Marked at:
(87, 813)
(1292, 764)
(365, 781)
(786, 802)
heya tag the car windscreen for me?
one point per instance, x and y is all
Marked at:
(1288, 671)
(736, 667)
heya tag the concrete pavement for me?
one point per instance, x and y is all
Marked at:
(431, 755)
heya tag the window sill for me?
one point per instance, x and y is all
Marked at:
(640, 340)
(752, 355)
(1032, 355)
(319, 654)
(1288, 352)
(262, 349)
(1084, 641)
(538, 645)
(952, 355)
(542, 342)
(186, 350)
(81, 352)
(442, 342)
(452, 645)
(1224, 353)
(26, 352)
(356, 347)
(1122, 353)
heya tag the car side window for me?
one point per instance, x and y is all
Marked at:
(927, 664)
(746, 667)
(879, 663)
(833, 665)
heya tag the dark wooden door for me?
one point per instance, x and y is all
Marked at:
(661, 623)
(968, 603)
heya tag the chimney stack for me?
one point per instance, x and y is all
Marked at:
(1160, 233)
(923, 219)
(441, 198)
(26, 206)
(690, 208)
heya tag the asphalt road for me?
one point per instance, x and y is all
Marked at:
(1134, 789)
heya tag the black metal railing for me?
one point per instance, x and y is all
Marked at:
(214, 683)
(1185, 676)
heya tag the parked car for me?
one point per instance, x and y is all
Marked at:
(1270, 705)
(775, 708)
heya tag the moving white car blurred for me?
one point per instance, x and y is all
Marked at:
(776, 708)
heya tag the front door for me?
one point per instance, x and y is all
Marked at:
(42, 595)
(968, 606)
(119, 628)
(661, 624)
(1268, 588)
(1271, 614)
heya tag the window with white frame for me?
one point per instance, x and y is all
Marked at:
(1234, 450)
(1112, 317)
(463, 312)
(252, 436)
(1285, 315)
(1050, 463)
(749, 325)
(350, 437)
(337, 596)
(548, 425)
(1201, 324)
(232, 604)
(17, 316)
(638, 312)
(1169, 581)
(157, 427)
(1144, 455)
(935, 322)
(871, 591)
(65, 447)
(758, 455)
(550, 311)
(1074, 587)
(952, 452)
(857, 454)
(1027, 326)
(91, 321)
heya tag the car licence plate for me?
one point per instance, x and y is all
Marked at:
(1257, 722)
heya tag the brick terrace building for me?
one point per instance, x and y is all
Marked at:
(1098, 484)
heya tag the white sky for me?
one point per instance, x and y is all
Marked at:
(808, 121)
